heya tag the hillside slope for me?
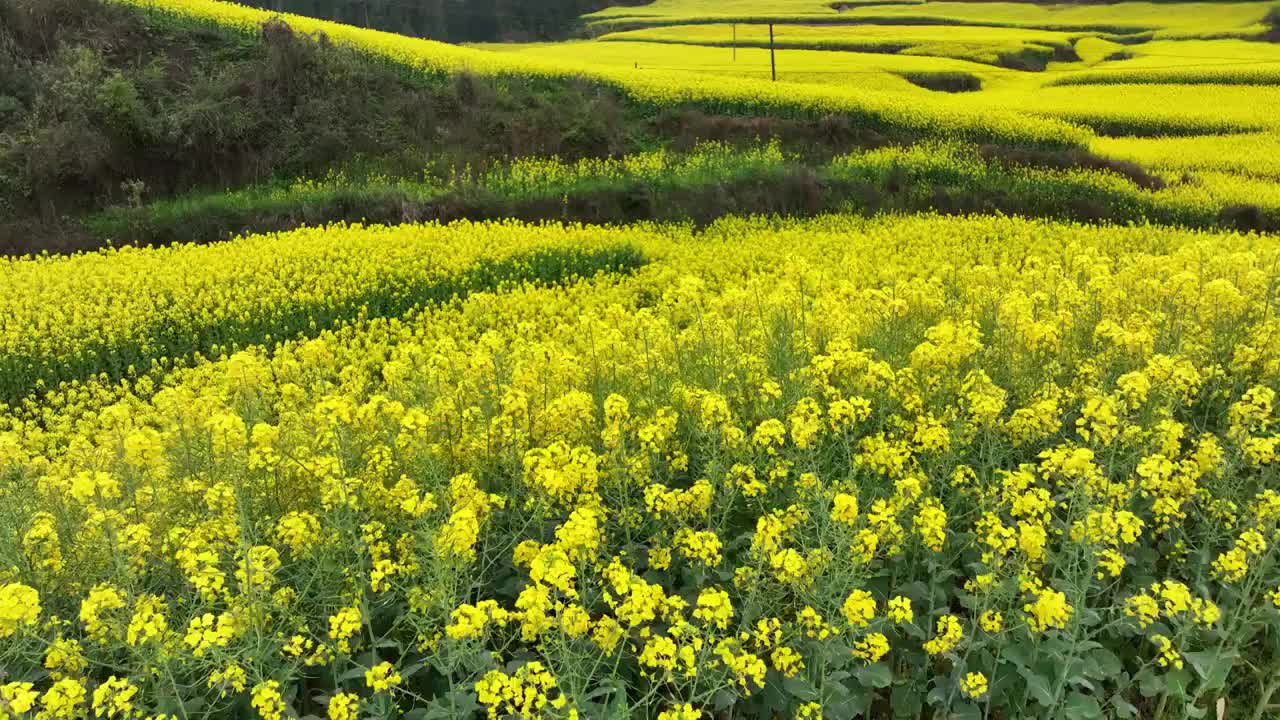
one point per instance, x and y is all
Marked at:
(141, 122)
(105, 105)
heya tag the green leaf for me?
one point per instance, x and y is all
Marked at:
(917, 591)
(1037, 686)
(838, 711)
(618, 709)
(1077, 670)
(879, 675)
(1213, 666)
(600, 692)
(835, 704)
(1124, 709)
(859, 703)
(464, 700)
(1017, 654)
(772, 699)
(723, 699)
(1103, 664)
(352, 674)
(965, 711)
(1176, 681)
(436, 710)
(1149, 684)
(1089, 618)
(905, 702)
(800, 688)
(1079, 706)
(846, 705)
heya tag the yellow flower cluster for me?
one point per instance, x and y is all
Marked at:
(19, 605)
(900, 609)
(1167, 656)
(1049, 610)
(871, 648)
(525, 693)
(778, 451)
(267, 701)
(382, 677)
(974, 684)
(947, 635)
(152, 309)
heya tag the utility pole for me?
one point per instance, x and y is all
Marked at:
(773, 60)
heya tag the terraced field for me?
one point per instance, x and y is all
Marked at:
(1040, 76)
(1178, 87)
(1187, 62)
(989, 45)
(1174, 19)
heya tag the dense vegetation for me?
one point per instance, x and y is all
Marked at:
(145, 120)
(827, 469)
(701, 185)
(452, 20)
(106, 106)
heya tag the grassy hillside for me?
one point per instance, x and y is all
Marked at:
(713, 180)
(665, 90)
(105, 105)
(136, 121)
(112, 106)
(1167, 85)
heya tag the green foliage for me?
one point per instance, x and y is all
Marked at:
(945, 81)
(120, 107)
(710, 181)
(120, 96)
(450, 20)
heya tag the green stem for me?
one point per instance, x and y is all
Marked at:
(177, 694)
(1159, 714)
(1264, 701)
